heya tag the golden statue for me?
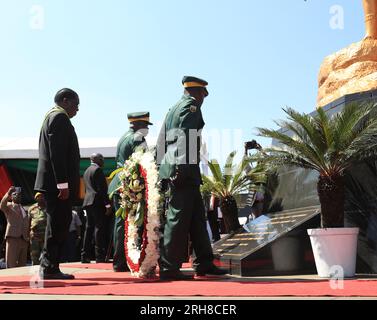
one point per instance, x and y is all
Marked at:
(370, 9)
(353, 69)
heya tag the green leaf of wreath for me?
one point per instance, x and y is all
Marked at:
(119, 212)
(139, 220)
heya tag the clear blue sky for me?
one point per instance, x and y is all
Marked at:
(130, 55)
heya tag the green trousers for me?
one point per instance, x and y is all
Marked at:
(185, 217)
(36, 247)
(119, 259)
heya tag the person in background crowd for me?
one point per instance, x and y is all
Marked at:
(38, 216)
(257, 208)
(17, 234)
(97, 206)
(212, 215)
(58, 178)
(3, 226)
(69, 253)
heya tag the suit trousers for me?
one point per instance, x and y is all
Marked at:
(185, 217)
(95, 225)
(69, 251)
(214, 225)
(119, 259)
(16, 252)
(59, 216)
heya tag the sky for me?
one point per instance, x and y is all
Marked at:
(123, 56)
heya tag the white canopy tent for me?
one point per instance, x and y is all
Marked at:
(27, 148)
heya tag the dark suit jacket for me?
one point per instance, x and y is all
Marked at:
(59, 155)
(96, 187)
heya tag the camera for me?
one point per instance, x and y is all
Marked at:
(252, 145)
(17, 189)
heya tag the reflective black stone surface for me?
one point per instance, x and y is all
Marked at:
(272, 244)
(277, 243)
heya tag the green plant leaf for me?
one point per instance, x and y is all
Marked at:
(139, 219)
(119, 212)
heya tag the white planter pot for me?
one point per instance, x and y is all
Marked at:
(334, 251)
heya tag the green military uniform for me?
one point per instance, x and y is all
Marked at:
(37, 231)
(186, 213)
(127, 145)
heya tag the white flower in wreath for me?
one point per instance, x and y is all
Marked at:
(148, 265)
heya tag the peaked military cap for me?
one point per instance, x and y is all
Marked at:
(139, 116)
(193, 82)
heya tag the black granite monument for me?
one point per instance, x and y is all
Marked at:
(277, 243)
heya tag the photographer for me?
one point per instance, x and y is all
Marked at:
(18, 228)
(252, 145)
(257, 207)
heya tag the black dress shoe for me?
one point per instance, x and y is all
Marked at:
(175, 276)
(58, 276)
(120, 268)
(100, 261)
(85, 260)
(212, 271)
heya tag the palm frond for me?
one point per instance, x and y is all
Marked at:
(235, 181)
(216, 187)
(301, 148)
(228, 169)
(244, 166)
(312, 133)
(215, 170)
(325, 143)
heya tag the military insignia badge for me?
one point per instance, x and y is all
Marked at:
(193, 108)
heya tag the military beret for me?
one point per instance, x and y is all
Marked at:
(139, 116)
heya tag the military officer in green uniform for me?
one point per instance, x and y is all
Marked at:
(178, 156)
(133, 139)
(37, 213)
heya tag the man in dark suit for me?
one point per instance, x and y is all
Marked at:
(58, 178)
(97, 206)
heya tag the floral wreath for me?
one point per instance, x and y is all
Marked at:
(140, 209)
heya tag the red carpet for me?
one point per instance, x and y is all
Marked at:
(98, 266)
(103, 266)
(110, 283)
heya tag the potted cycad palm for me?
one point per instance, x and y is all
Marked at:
(229, 183)
(329, 145)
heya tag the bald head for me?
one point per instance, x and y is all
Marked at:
(97, 158)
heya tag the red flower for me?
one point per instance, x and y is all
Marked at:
(135, 267)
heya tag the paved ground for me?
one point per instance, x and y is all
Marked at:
(31, 270)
